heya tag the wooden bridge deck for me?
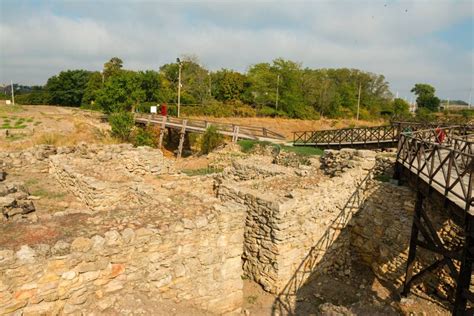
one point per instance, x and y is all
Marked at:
(376, 136)
(446, 167)
(200, 126)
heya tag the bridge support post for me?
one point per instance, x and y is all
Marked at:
(182, 133)
(413, 242)
(162, 132)
(464, 279)
(235, 134)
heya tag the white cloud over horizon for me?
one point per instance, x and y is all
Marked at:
(399, 39)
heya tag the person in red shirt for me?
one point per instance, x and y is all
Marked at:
(440, 135)
(164, 110)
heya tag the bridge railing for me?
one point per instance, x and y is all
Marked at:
(201, 125)
(445, 163)
(345, 136)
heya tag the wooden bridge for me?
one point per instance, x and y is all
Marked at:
(377, 136)
(443, 173)
(185, 125)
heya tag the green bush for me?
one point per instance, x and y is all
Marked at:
(425, 115)
(122, 124)
(271, 112)
(91, 107)
(211, 140)
(144, 137)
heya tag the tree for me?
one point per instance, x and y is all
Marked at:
(400, 108)
(426, 96)
(194, 81)
(112, 67)
(122, 92)
(94, 84)
(228, 85)
(67, 88)
(121, 125)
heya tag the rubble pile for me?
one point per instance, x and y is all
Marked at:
(15, 202)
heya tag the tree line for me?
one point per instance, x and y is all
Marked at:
(280, 88)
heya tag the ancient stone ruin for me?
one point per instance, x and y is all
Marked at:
(276, 219)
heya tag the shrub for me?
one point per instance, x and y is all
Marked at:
(122, 124)
(271, 112)
(211, 140)
(425, 115)
(144, 137)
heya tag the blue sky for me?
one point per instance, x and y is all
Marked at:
(427, 41)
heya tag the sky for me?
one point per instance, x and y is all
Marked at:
(409, 42)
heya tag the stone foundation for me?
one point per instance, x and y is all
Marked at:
(195, 260)
(289, 223)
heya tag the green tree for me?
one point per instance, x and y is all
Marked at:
(112, 67)
(122, 92)
(67, 88)
(228, 85)
(400, 108)
(194, 81)
(426, 96)
(121, 124)
(93, 87)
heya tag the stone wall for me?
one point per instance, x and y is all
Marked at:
(195, 260)
(284, 226)
(104, 177)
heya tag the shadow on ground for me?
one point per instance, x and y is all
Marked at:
(359, 290)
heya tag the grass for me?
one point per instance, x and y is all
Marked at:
(15, 137)
(47, 194)
(201, 172)
(14, 122)
(247, 145)
(49, 139)
(303, 150)
(31, 182)
(11, 109)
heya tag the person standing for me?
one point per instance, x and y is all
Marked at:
(164, 110)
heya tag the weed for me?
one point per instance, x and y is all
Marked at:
(252, 299)
(30, 182)
(211, 140)
(47, 194)
(49, 139)
(202, 171)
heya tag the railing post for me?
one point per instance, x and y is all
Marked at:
(448, 176)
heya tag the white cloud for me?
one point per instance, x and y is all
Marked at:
(395, 40)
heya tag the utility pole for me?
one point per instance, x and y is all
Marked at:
(210, 84)
(278, 85)
(13, 92)
(470, 96)
(358, 101)
(179, 85)
(396, 96)
(447, 105)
